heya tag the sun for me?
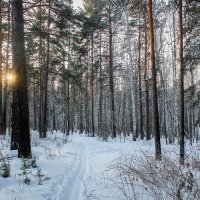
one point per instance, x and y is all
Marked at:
(10, 77)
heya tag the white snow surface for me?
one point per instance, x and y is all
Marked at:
(76, 170)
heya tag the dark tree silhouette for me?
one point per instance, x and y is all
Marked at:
(181, 84)
(20, 109)
(155, 98)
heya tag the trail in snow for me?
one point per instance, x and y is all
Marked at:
(83, 177)
(72, 188)
(69, 184)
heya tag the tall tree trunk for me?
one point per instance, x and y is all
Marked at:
(132, 78)
(154, 85)
(111, 76)
(140, 82)
(87, 112)
(20, 92)
(123, 110)
(45, 117)
(131, 115)
(54, 106)
(92, 85)
(175, 122)
(68, 85)
(41, 80)
(192, 110)
(1, 84)
(181, 134)
(34, 107)
(81, 112)
(146, 84)
(68, 104)
(5, 91)
(100, 85)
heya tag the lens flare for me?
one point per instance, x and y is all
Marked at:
(10, 77)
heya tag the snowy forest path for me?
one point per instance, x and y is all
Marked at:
(84, 170)
(71, 189)
(69, 184)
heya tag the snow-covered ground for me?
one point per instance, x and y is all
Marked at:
(73, 168)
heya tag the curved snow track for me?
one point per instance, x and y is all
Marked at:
(69, 183)
(72, 187)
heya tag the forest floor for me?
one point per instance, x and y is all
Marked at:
(77, 167)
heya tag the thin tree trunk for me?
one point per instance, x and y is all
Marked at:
(140, 83)
(5, 90)
(100, 86)
(81, 113)
(111, 77)
(68, 105)
(181, 134)
(1, 64)
(146, 84)
(54, 107)
(92, 85)
(131, 115)
(132, 80)
(86, 105)
(40, 91)
(34, 108)
(154, 85)
(175, 122)
(41, 81)
(68, 85)
(45, 117)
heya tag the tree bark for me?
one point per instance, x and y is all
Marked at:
(140, 82)
(146, 85)
(92, 85)
(45, 117)
(100, 85)
(34, 107)
(132, 79)
(181, 79)
(20, 92)
(41, 80)
(68, 86)
(111, 76)
(5, 91)
(154, 85)
(1, 64)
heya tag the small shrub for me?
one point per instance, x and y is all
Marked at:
(25, 173)
(103, 132)
(33, 162)
(65, 139)
(5, 168)
(160, 180)
(25, 165)
(39, 175)
(27, 180)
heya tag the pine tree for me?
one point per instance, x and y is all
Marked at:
(182, 151)
(20, 107)
(155, 97)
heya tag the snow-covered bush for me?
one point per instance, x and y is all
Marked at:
(25, 166)
(103, 132)
(4, 165)
(5, 168)
(39, 176)
(159, 180)
(33, 162)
